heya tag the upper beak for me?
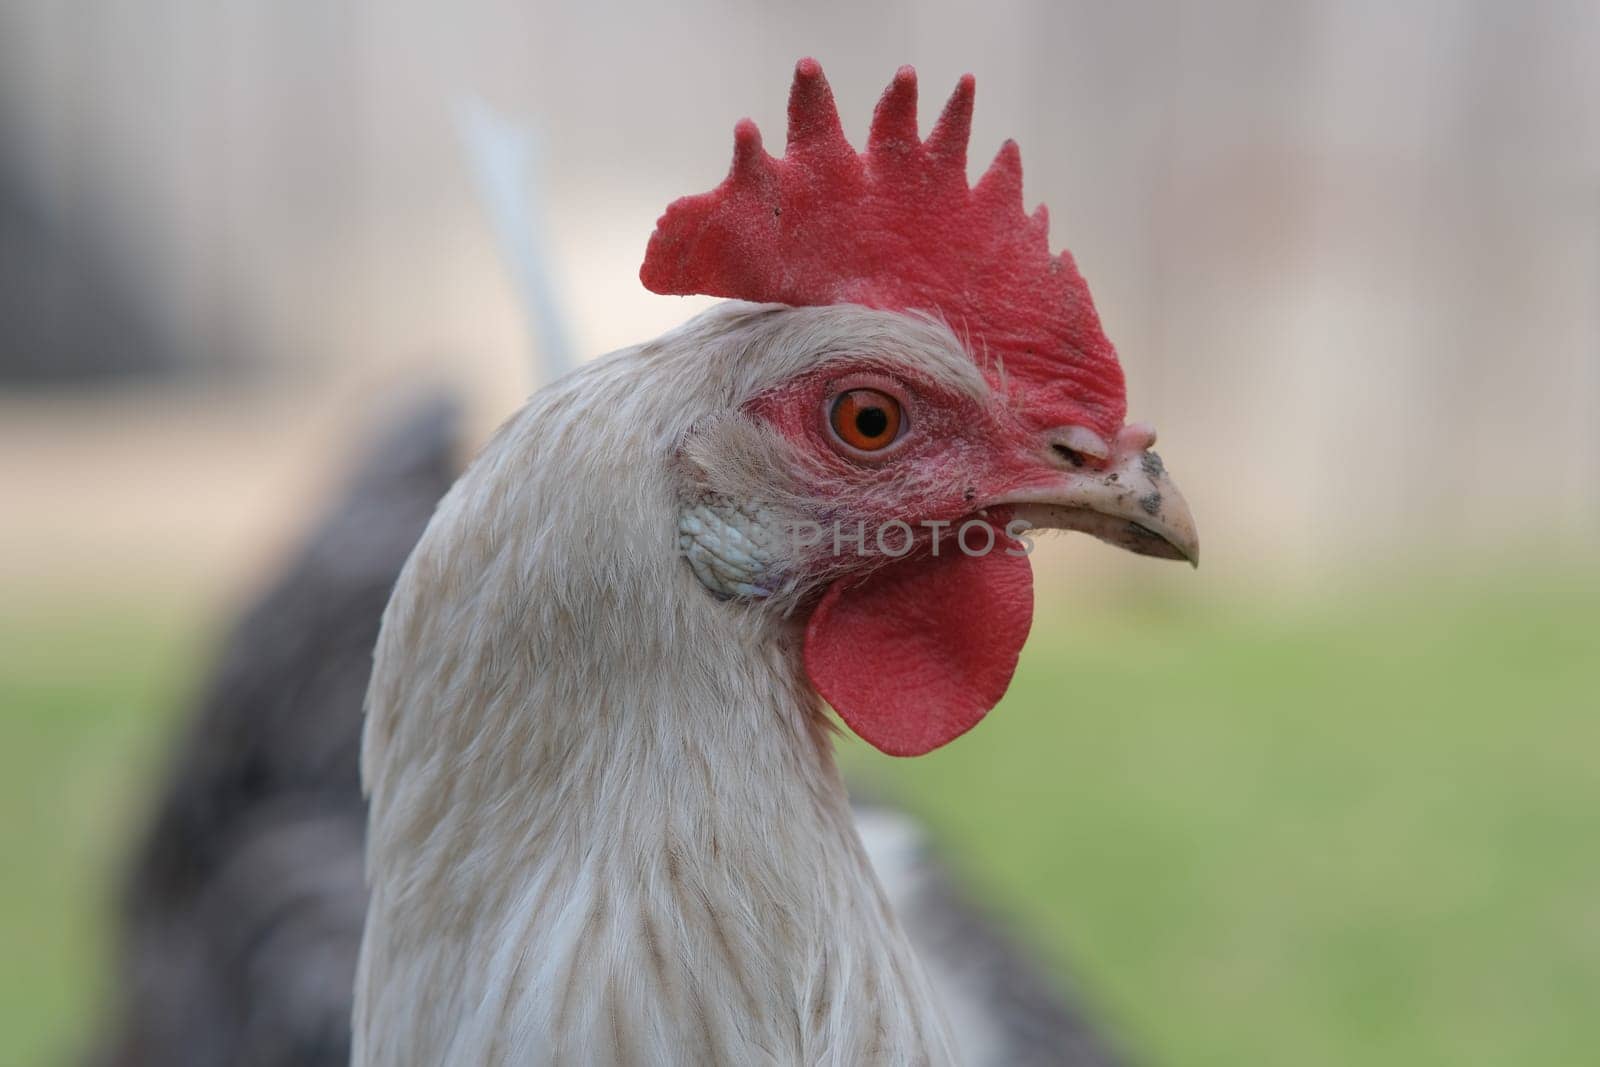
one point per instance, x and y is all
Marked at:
(1125, 498)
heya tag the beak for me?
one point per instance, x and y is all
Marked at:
(1124, 497)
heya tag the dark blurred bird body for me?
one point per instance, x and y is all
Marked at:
(243, 910)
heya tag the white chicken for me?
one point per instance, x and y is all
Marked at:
(606, 825)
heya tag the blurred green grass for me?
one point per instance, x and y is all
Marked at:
(1357, 830)
(90, 694)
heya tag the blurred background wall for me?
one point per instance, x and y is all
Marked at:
(1349, 252)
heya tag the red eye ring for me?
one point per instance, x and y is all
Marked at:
(866, 420)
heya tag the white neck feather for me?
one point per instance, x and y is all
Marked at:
(606, 822)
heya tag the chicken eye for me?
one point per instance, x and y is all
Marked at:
(866, 419)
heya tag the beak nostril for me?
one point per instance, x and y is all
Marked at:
(1076, 458)
(1079, 446)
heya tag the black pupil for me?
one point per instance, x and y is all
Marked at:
(872, 422)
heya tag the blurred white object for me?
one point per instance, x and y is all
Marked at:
(504, 160)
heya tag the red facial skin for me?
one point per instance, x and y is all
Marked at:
(954, 455)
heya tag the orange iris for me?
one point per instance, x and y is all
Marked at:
(866, 419)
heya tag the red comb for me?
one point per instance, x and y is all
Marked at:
(898, 228)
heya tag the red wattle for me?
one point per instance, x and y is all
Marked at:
(912, 656)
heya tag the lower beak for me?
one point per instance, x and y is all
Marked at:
(1128, 501)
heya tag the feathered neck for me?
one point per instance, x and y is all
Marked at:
(606, 822)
